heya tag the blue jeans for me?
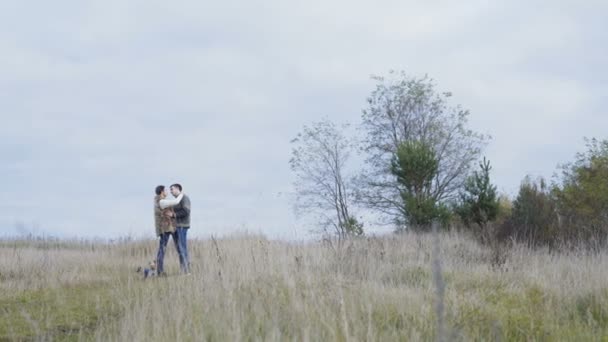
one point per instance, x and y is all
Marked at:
(162, 247)
(182, 248)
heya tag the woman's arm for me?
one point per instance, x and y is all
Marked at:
(166, 203)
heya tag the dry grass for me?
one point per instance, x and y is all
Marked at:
(250, 288)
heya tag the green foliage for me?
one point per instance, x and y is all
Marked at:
(415, 165)
(404, 109)
(534, 214)
(479, 201)
(574, 210)
(583, 193)
(353, 227)
(505, 208)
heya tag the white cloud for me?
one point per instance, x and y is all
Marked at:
(103, 100)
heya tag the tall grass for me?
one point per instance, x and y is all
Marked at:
(250, 288)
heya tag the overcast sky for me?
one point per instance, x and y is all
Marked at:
(101, 101)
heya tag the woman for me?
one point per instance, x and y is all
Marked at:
(164, 220)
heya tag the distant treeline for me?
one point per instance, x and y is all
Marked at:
(424, 165)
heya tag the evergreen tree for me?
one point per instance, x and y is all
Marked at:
(479, 201)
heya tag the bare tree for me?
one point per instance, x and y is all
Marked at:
(319, 158)
(403, 109)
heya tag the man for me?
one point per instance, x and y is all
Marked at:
(164, 220)
(182, 220)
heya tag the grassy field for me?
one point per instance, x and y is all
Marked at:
(252, 289)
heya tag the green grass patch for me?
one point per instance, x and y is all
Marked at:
(592, 308)
(68, 313)
(409, 277)
(531, 314)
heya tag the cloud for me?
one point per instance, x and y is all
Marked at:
(101, 101)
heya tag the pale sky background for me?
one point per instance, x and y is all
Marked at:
(101, 101)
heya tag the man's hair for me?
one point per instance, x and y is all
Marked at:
(159, 189)
(178, 186)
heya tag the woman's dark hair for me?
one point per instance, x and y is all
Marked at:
(178, 186)
(159, 189)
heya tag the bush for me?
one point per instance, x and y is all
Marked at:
(534, 215)
(582, 195)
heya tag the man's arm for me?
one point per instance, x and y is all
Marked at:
(166, 203)
(184, 210)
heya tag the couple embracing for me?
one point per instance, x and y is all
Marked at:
(172, 219)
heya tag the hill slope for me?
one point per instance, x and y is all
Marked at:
(250, 288)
